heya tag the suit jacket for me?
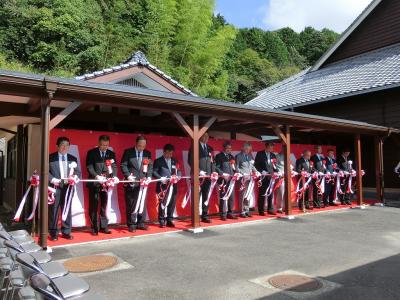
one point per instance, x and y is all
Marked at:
(301, 165)
(243, 165)
(318, 164)
(262, 163)
(329, 164)
(96, 165)
(222, 163)
(130, 164)
(206, 160)
(54, 167)
(160, 169)
(343, 164)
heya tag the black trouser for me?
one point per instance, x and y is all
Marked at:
(316, 195)
(170, 208)
(96, 196)
(345, 197)
(261, 196)
(329, 192)
(204, 189)
(54, 212)
(226, 206)
(131, 198)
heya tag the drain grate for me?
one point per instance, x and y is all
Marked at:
(295, 283)
(90, 263)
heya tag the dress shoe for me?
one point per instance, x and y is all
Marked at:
(105, 230)
(94, 232)
(271, 212)
(170, 224)
(261, 213)
(206, 220)
(143, 227)
(162, 224)
(67, 236)
(233, 217)
(348, 203)
(249, 215)
(54, 238)
(280, 211)
(332, 204)
(132, 228)
(243, 215)
(223, 218)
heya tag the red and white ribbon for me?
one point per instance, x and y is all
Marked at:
(214, 179)
(231, 186)
(145, 164)
(34, 184)
(164, 204)
(144, 184)
(71, 190)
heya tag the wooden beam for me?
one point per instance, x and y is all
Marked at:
(357, 144)
(20, 164)
(34, 104)
(288, 172)
(44, 172)
(207, 126)
(63, 114)
(195, 170)
(378, 142)
(279, 134)
(182, 123)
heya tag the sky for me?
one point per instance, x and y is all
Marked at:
(297, 14)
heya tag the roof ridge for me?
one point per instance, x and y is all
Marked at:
(138, 58)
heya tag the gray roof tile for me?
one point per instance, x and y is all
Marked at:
(378, 69)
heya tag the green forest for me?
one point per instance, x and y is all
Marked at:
(184, 38)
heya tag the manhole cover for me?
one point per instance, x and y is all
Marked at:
(90, 263)
(295, 283)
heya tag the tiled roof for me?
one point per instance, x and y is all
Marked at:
(137, 59)
(368, 72)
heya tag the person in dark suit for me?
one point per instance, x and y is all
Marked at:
(207, 166)
(330, 186)
(245, 166)
(318, 161)
(133, 168)
(96, 166)
(343, 165)
(164, 167)
(264, 164)
(59, 169)
(224, 168)
(303, 164)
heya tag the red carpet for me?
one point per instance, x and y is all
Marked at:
(84, 236)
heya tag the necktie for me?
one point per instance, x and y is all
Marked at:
(169, 164)
(205, 149)
(103, 154)
(65, 166)
(139, 157)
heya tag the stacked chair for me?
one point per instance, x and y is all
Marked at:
(28, 273)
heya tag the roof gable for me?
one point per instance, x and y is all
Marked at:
(138, 70)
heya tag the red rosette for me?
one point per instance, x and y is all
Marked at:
(34, 180)
(273, 160)
(174, 179)
(145, 163)
(177, 166)
(311, 163)
(334, 165)
(324, 161)
(232, 161)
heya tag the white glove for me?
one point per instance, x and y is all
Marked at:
(148, 179)
(258, 174)
(163, 180)
(100, 178)
(131, 178)
(56, 181)
(264, 173)
(226, 176)
(116, 180)
(202, 173)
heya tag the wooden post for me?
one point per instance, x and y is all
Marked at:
(20, 164)
(194, 173)
(358, 169)
(44, 172)
(288, 172)
(379, 169)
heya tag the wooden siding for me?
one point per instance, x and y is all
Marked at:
(380, 29)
